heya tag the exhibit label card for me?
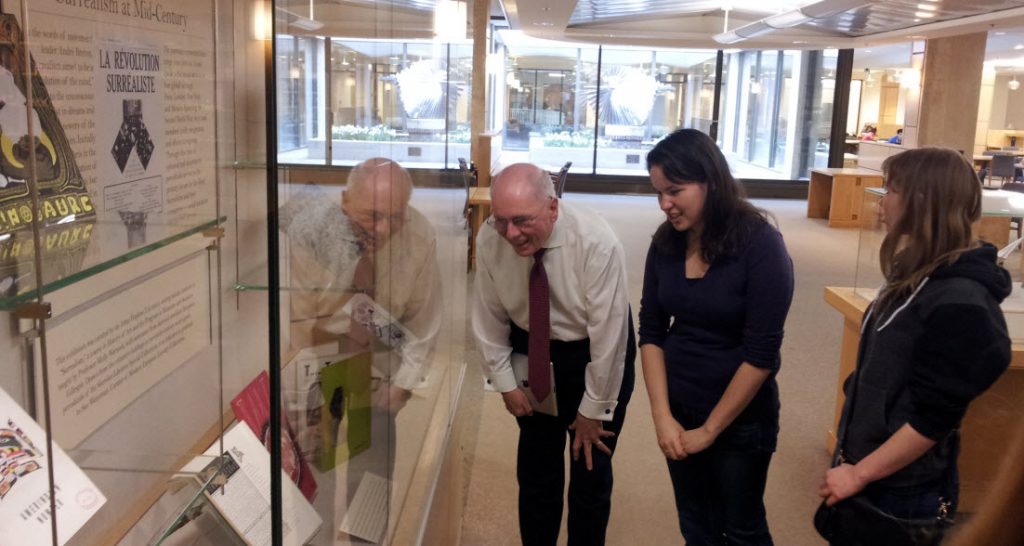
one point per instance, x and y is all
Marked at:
(24, 483)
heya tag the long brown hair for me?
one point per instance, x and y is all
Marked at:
(688, 155)
(941, 198)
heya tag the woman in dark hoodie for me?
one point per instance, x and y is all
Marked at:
(932, 341)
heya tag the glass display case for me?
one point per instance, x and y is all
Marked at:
(1002, 211)
(998, 410)
(202, 347)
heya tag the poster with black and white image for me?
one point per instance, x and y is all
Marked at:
(129, 139)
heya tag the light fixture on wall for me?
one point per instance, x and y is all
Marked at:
(1013, 84)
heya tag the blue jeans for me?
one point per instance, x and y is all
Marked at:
(720, 491)
(915, 502)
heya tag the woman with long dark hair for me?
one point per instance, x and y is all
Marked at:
(717, 287)
(932, 340)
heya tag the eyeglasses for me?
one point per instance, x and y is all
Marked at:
(520, 222)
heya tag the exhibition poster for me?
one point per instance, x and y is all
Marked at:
(24, 483)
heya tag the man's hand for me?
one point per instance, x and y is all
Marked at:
(670, 437)
(516, 402)
(589, 432)
(391, 399)
(698, 439)
(839, 483)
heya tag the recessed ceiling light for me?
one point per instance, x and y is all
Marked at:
(917, 20)
(1018, 47)
(867, 51)
(799, 42)
(924, 14)
(1000, 33)
(927, 7)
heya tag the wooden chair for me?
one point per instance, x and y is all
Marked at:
(558, 179)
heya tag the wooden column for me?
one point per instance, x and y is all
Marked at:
(478, 104)
(947, 112)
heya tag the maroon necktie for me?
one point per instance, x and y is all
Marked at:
(540, 329)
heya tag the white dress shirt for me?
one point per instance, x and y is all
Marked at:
(586, 269)
(407, 278)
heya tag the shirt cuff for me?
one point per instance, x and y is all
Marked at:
(603, 410)
(503, 381)
(409, 377)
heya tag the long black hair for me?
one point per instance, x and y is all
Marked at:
(688, 156)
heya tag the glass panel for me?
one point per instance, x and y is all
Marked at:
(776, 125)
(131, 123)
(550, 89)
(647, 94)
(300, 103)
(407, 99)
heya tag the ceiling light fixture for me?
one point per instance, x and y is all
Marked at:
(806, 14)
(1013, 84)
(924, 14)
(1018, 47)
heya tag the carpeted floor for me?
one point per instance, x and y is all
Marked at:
(643, 510)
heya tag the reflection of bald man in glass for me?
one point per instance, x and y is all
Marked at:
(372, 251)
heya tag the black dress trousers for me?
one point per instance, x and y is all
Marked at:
(540, 466)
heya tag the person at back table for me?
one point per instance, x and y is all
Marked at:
(551, 284)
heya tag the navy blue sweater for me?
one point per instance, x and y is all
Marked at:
(707, 327)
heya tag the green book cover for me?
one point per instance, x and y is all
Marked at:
(347, 401)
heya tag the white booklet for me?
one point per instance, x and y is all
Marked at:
(25, 488)
(244, 499)
(521, 369)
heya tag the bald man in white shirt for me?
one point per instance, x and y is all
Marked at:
(569, 264)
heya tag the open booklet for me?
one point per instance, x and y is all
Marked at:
(242, 495)
(24, 483)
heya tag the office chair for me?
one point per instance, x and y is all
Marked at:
(1004, 167)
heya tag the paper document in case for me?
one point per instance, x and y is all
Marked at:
(363, 310)
(521, 369)
(367, 515)
(24, 482)
(243, 497)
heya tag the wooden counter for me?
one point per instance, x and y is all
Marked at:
(988, 420)
(837, 194)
